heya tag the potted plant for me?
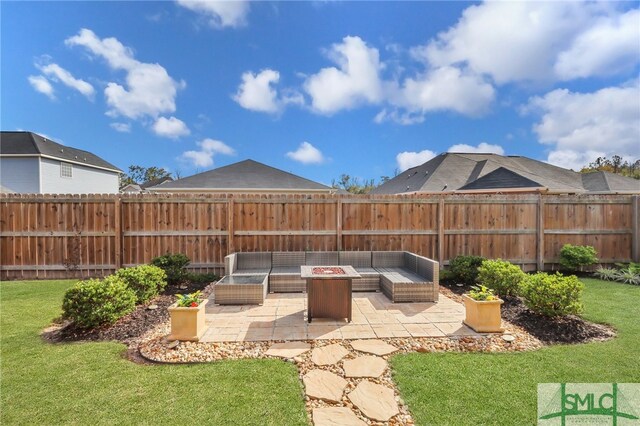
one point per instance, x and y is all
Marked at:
(187, 317)
(482, 309)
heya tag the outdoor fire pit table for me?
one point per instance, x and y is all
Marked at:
(241, 290)
(328, 291)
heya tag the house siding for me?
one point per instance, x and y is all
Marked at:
(20, 174)
(85, 180)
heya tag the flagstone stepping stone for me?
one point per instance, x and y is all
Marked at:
(325, 385)
(328, 355)
(365, 366)
(335, 416)
(288, 349)
(508, 338)
(373, 346)
(377, 402)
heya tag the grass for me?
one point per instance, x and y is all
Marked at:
(472, 389)
(91, 383)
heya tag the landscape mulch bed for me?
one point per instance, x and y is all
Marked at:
(567, 329)
(128, 328)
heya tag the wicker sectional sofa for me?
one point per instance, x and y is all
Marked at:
(402, 276)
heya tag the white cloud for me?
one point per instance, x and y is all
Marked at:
(483, 148)
(171, 127)
(204, 156)
(446, 88)
(583, 126)
(256, 92)
(409, 159)
(57, 73)
(224, 13)
(354, 83)
(529, 41)
(121, 127)
(307, 154)
(611, 45)
(149, 91)
(42, 85)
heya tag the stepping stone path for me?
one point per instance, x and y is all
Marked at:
(365, 366)
(335, 416)
(321, 384)
(373, 346)
(288, 349)
(328, 355)
(375, 401)
(366, 403)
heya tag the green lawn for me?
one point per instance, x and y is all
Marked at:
(472, 389)
(91, 383)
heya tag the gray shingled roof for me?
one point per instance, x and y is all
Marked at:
(29, 143)
(155, 182)
(464, 171)
(244, 175)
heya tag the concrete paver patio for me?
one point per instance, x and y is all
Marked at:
(283, 317)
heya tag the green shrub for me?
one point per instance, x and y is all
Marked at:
(446, 275)
(552, 295)
(465, 268)
(202, 278)
(574, 258)
(96, 302)
(633, 266)
(607, 274)
(147, 281)
(174, 266)
(501, 276)
(628, 276)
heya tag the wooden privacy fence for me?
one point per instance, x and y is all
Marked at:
(56, 236)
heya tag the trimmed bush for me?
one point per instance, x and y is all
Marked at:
(202, 278)
(174, 266)
(552, 295)
(574, 258)
(607, 274)
(147, 281)
(98, 302)
(501, 276)
(465, 268)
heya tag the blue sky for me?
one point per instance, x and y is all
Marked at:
(324, 88)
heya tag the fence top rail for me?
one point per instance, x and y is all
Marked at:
(346, 198)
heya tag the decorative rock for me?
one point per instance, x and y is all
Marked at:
(173, 344)
(321, 384)
(377, 402)
(184, 287)
(373, 346)
(288, 349)
(335, 416)
(328, 355)
(152, 307)
(365, 366)
(508, 337)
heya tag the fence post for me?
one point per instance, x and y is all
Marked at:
(540, 237)
(230, 229)
(339, 224)
(441, 230)
(635, 227)
(117, 208)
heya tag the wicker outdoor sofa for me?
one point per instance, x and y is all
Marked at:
(402, 276)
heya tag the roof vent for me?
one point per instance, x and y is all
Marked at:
(85, 158)
(61, 150)
(76, 157)
(408, 187)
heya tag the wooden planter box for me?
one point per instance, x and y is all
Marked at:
(187, 323)
(483, 316)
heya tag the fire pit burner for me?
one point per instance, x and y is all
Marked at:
(331, 270)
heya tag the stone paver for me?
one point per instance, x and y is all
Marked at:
(321, 384)
(328, 355)
(377, 402)
(335, 416)
(365, 366)
(373, 346)
(288, 349)
(283, 316)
